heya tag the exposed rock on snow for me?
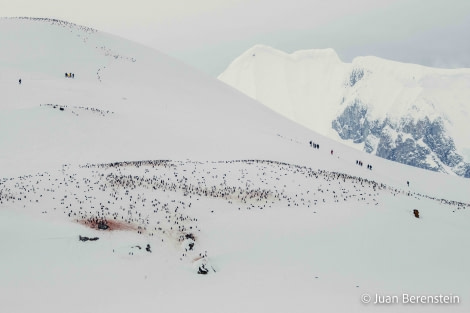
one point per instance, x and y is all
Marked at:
(84, 238)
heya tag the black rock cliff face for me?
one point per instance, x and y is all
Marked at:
(421, 143)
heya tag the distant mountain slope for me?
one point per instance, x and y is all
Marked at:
(402, 112)
(155, 107)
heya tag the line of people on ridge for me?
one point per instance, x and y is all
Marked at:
(369, 167)
(358, 162)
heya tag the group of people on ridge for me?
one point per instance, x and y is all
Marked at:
(314, 145)
(67, 75)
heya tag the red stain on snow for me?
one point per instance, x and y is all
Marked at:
(111, 225)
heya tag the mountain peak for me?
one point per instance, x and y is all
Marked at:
(312, 54)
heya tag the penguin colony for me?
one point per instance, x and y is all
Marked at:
(158, 198)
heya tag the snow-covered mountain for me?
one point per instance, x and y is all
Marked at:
(119, 185)
(407, 113)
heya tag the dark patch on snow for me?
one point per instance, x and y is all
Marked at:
(84, 238)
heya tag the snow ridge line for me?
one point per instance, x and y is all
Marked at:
(54, 21)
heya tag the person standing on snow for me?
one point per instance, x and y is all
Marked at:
(19, 81)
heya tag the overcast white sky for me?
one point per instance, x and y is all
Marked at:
(209, 34)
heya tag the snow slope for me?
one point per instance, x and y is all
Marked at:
(426, 108)
(166, 157)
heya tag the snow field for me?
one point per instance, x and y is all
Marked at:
(282, 227)
(266, 228)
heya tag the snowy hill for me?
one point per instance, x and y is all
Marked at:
(402, 112)
(156, 107)
(119, 185)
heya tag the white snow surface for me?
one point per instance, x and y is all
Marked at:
(167, 157)
(312, 87)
